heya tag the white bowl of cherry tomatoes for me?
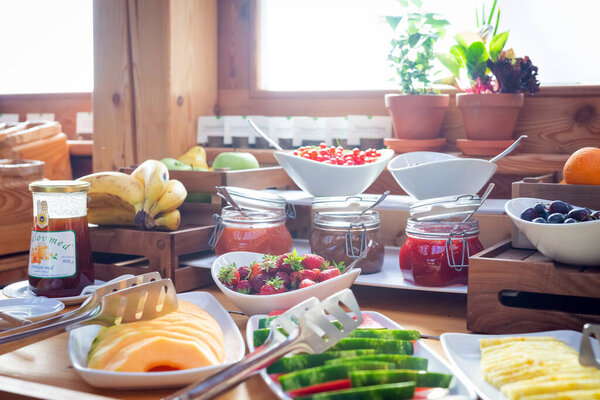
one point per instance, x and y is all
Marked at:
(259, 283)
(325, 171)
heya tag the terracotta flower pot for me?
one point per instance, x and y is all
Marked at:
(490, 116)
(417, 116)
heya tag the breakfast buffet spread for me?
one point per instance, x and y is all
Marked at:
(306, 333)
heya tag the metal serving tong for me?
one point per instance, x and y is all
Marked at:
(139, 298)
(587, 356)
(309, 330)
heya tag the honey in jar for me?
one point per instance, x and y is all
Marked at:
(60, 257)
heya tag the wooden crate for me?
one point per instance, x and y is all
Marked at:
(206, 181)
(514, 291)
(155, 251)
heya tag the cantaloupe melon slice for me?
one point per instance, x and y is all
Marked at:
(186, 338)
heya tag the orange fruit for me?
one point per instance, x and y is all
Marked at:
(583, 167)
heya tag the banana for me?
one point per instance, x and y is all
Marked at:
(117, 184)
(111, 216)
(169, 220)
(106, 200)
(154, 175)
(172, 197)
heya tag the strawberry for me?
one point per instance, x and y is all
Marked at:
(244, 272)
(308, 274)
(272, 286)
(312, 261)
(295, 279)
(328, 274)
(229, 276)
(306, 283)
(269, 264)
(290, 262)
(258, 280)
(243, 287)
(255, 269)
(284, 276)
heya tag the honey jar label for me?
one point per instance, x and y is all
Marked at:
(42, 214)
(52, 254)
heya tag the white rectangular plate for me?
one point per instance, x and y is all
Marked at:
(458, 385)
(463, 352)
(81, 339)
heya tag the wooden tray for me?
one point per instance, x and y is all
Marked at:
(155, 251)
(516, 291)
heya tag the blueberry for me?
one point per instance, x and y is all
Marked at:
(540, 209)
(570, 221)
(539, 220)
(578, 214)
(556, 218)
(558, 206)
(596, 215)
(586, 219)
(528, 214)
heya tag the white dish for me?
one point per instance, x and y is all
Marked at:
(426, 174)
(21, 290)
(463, 352)
(252, 304)
(565, 243)
(31, 308)
(81, 339)
(324, 180)
(458, 386)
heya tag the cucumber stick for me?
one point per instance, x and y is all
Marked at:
(381, 345)
(400, 361)
(260, 335)
(391, 391)
(420, 378)
(326, 373)
(301, 361)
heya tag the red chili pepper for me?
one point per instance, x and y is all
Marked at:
(321, 387)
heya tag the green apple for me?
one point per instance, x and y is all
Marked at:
(198, 197)
(175, 165)
(235, 161)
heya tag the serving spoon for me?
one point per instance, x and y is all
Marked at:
(264, 135)
(509, 149)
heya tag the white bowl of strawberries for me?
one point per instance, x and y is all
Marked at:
(258, 283)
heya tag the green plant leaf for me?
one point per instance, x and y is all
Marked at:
(393, 21)
(497, 22)
(466, 38)
(417, 3)
(450, 61)
(489, 21)
(414, 39)
(477, 57)
(460, 53)
(497, 44)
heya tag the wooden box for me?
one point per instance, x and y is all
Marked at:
(514, 291)
(206, 181)
(155, 251)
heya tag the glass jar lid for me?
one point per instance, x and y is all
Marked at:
(59, 186)
(343, 204)
(445, 207)
(255, 199)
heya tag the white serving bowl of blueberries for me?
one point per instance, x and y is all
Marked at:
(563, 232)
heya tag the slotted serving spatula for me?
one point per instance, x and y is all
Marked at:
(309, 330)
(140, 298)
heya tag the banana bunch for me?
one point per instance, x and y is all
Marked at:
(146, 198)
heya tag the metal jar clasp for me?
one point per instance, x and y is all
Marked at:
(464, 260)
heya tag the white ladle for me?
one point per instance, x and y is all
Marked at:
(266, 137)
(509, 149)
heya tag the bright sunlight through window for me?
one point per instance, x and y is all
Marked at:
(343, 44)
(47, 46)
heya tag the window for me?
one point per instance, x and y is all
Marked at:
(47, 46)
(342, 44)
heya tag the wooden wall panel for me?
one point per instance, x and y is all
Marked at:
(65, 107)
(114, 133)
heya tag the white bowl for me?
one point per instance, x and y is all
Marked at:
(426, 174)
(565, 243)
(81, 339)
(324, 180)
(252, 304)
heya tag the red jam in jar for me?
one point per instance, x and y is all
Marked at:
(436, 253)
(251, 230)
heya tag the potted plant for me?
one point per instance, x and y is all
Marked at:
(418, 111)
(493, 81)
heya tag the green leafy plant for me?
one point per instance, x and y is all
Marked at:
(468, 59)
(411, 55)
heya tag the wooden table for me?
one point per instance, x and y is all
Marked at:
(43, 370)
